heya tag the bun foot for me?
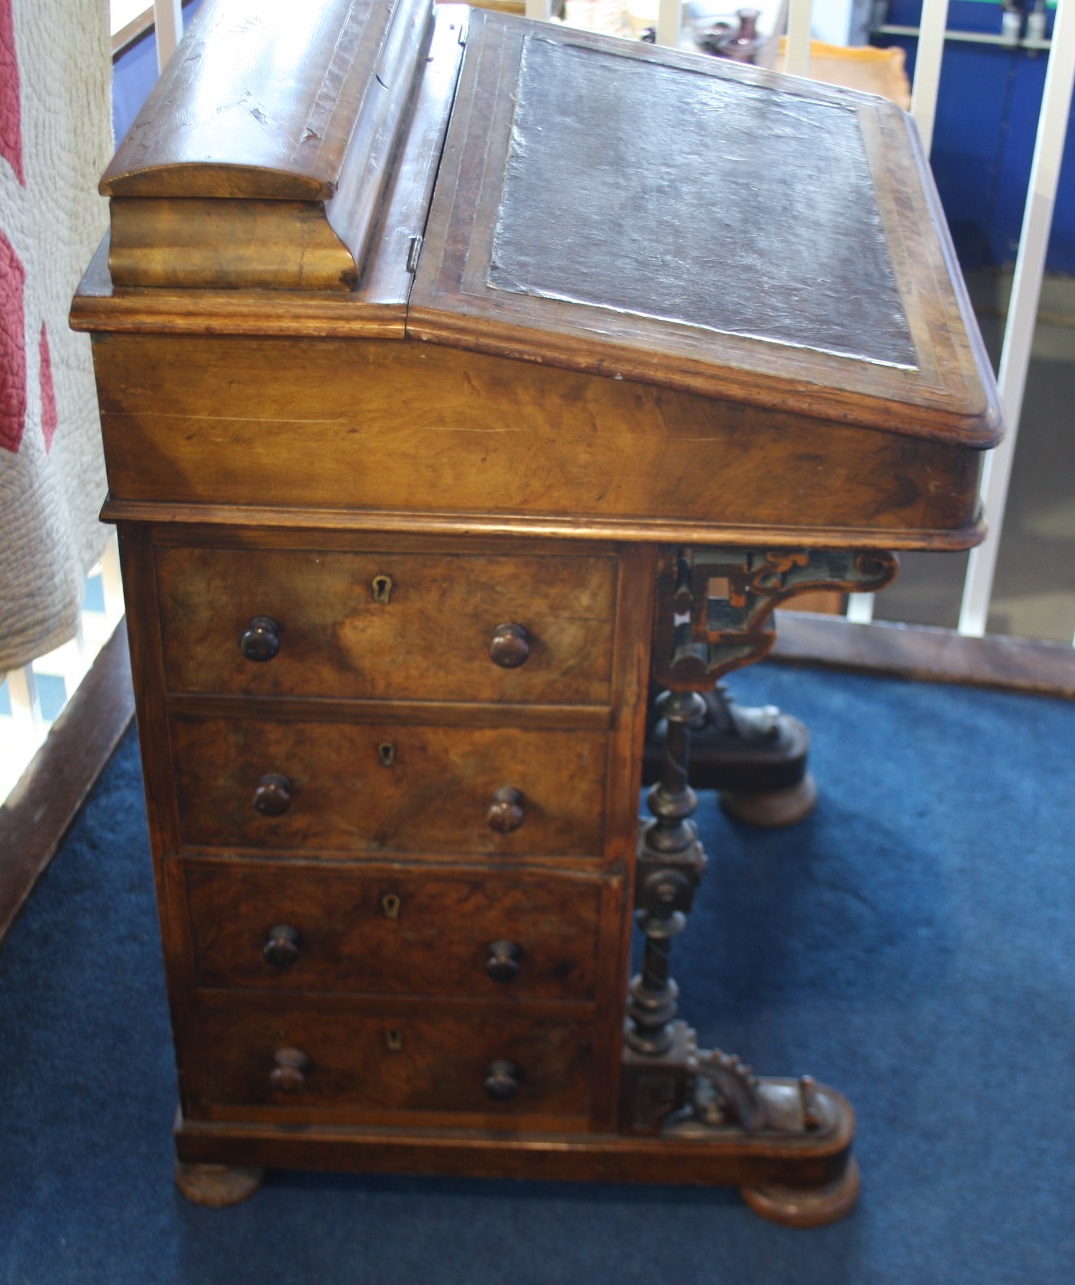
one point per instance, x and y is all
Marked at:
(806, 1206)
(772, 808)
(216, 1186)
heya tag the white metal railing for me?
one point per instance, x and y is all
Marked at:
(168, 20)
(1023, 310)
(31, 698)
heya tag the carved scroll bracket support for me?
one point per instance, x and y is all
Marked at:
(714, 606)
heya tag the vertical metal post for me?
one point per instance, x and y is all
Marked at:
(927, 74)
(797, 57)
(669, 17)
(1023, 310)
(168, 26)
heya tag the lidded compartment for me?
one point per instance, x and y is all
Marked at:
(684, 298)
(261, 156)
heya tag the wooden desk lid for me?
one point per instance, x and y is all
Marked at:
(625, 209)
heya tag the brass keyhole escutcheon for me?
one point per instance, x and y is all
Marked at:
(382, 589)
(391, 905)
(386, 752)
(394, 1040)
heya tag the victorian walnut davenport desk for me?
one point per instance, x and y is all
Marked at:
(459, 375)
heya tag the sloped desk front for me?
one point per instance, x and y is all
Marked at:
(460, 376)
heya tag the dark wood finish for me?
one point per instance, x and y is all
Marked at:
(601, 1157)
(398, 462)
(389, 1061)
(217, 1186)
(806, 1207)
(436, 797)
(46, 800)
(445, 933)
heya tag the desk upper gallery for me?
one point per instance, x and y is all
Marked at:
(461, 376)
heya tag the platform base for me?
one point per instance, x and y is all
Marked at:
(763, 1164)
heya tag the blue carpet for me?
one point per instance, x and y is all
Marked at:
(912, 944)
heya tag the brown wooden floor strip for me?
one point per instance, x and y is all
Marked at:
(928, 655)
(46, 800)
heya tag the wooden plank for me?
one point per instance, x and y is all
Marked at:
(927, 655)
(424, 429)
(42, 806)
(729, 1159)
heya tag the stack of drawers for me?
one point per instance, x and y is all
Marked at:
(392, 805)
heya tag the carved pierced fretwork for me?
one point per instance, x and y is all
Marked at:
(714, 604)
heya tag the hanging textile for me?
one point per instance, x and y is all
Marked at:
(55, 139)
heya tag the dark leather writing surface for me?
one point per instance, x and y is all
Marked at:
(668, 193)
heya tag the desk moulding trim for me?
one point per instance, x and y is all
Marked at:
(512, 525)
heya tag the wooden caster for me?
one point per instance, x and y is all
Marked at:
(772, 809)
(806, 1206)
(754, 757)
(216, 1186)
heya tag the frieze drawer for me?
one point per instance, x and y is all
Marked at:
(380, 626)
(367, 1060)
(376, 787)
(394, 930)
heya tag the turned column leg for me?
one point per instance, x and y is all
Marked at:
(674, 1088)
(785, 1142)
(671, 860)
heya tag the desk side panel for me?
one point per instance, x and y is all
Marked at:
(366, 426)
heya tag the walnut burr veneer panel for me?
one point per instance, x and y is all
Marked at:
(394, 930)
(436, 796)
(363, 1060)
(377, 625)
(424, 430)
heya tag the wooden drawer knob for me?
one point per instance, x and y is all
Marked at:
(289, 1073)
(506, 810)
(510, 646)
(260, 639)
(502, 1081)
(272, 798)
(282, 948)
(503, 962)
